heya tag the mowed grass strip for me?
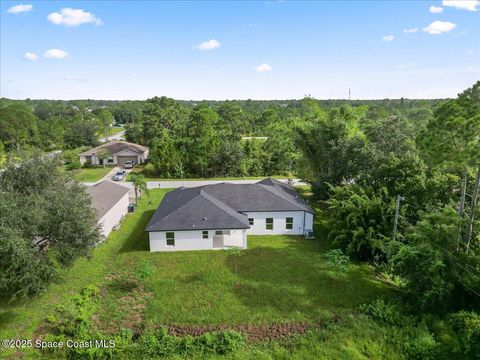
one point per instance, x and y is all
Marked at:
(91, 174)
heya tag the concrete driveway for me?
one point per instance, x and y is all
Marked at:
(110, 175)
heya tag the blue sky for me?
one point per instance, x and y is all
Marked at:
(255, 49)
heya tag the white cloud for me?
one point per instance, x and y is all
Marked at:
(208, 45)
(439, 27)
(410, 31)
(388, 38)
(263, 68)
(30, 56)
(73, 17)
(55, 54)
(69, 78)
(407, 65)
(470, 5)
(436, 9)
(17, 9)
(461, 33)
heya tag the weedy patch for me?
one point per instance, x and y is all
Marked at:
(122, 304)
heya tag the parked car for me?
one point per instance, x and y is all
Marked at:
(119, 175)
(129, 164)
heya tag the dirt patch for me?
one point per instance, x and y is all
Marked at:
(128, 297)
(252, 332)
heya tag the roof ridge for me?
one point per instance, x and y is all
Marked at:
(230, 211)
(178, 208)
(280, 195)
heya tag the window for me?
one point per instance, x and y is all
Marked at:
(170, 239)
(269, 224)
(250, 221)
(205, 234)
(110, 160)
(289, 223)
(218, 232)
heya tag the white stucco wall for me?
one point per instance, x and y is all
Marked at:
(279, 222)
(193, 240)
(114, 215)
(308, 221)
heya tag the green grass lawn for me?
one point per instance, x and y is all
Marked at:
(279, 279)
(91, 174)
(116, 129)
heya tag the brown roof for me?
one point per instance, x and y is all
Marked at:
(105, 195)
(115, 146)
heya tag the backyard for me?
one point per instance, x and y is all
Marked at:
(279, 279)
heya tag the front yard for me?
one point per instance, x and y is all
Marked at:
(91, 174)
(280, 279)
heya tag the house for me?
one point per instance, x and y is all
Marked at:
(222, 215)
(120, 152)
(111, 202)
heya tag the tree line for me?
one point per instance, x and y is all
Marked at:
(187, 139)
(401, 193)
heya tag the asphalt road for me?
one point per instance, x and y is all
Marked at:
(187, 183)
(117, 136)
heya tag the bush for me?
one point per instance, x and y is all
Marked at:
(159, 343)
(150, 170)
(466, 325)
(74, 165)
(418, 343)
(72, 318)
(386, 312)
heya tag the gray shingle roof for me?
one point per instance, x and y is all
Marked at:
(115, 146)
(220, 206)
(105, 195)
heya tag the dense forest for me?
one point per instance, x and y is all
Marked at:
(202, 139)
(396, 184)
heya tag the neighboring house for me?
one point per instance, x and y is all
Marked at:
(120, 152)
(222, 215)
(111, 202)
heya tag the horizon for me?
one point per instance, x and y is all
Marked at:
(273, 50)
(231, 99)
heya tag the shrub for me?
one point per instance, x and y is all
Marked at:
(466, 325)
(150, 170)
(159, 343)
(418, 343)
(386, 312)
(73, 165)
(72, 318)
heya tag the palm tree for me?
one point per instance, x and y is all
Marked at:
(139, 183)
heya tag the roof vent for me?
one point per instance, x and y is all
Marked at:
(193, 225)
(204, 218)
